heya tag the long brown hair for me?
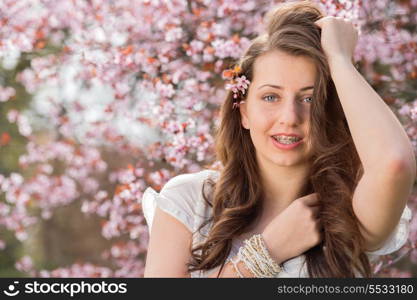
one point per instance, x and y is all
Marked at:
(236, 196)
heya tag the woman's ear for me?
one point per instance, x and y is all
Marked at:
(243, 115)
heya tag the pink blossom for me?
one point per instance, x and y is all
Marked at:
(6, 93)
(163, 74)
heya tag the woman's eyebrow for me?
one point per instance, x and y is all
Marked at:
(280, 87)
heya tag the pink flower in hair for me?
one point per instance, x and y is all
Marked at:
(236, 83)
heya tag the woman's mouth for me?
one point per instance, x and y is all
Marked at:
(286, 143)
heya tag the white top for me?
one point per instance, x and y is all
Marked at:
(182, 198)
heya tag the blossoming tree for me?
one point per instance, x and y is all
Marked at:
(124, 94)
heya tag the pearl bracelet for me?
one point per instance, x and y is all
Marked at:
(257, 259)
(276, 268)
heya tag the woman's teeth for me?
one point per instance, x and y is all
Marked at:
(286, 140)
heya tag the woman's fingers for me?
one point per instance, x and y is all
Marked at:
(310, 199)
(316, 211)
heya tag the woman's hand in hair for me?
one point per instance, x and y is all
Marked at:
(295, 230)
(338, 38)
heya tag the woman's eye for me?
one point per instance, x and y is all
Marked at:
(269, 97)
(310, 98)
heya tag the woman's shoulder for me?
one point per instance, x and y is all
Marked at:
(181, 197)
(189, 181)
(187, 188)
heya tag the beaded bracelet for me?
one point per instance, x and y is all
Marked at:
(275, 268)
(252, 259)
(256, 258)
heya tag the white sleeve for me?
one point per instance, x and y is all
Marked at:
(178, 198)
(398, 237)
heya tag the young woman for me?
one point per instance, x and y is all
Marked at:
(316, 169)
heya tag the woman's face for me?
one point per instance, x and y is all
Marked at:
(279, 101)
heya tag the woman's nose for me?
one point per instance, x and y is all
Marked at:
(291, 113)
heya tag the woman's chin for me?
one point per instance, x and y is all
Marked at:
(285, 163)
